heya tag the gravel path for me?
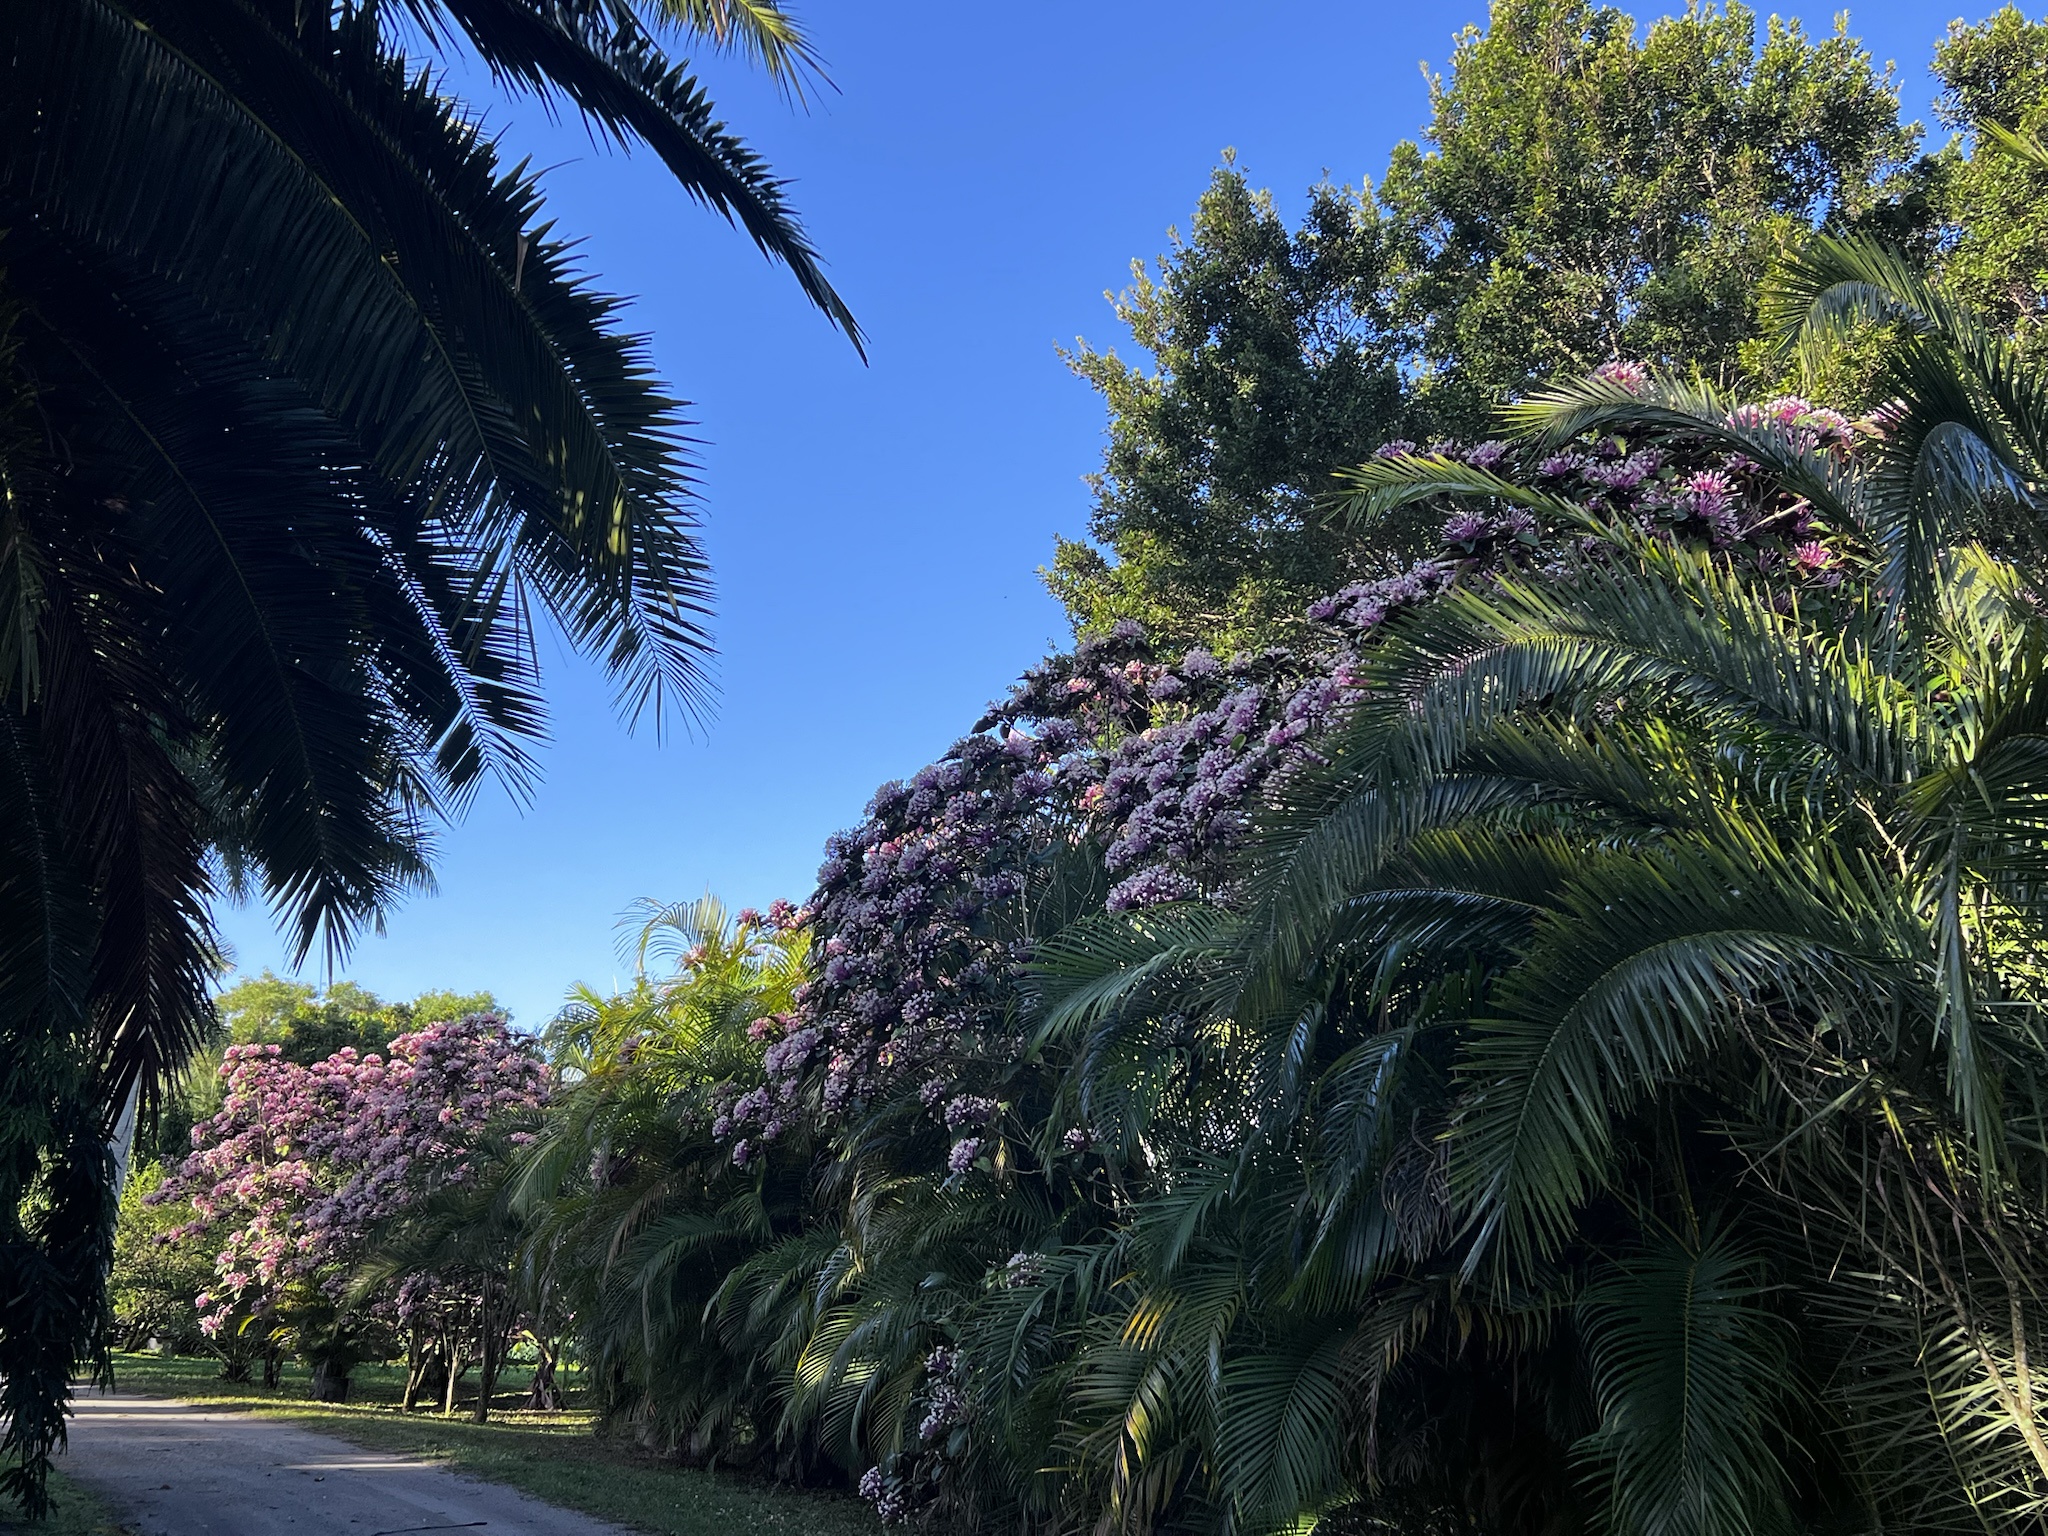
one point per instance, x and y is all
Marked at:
(169, 1469)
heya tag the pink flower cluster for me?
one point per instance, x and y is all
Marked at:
(301, 1161)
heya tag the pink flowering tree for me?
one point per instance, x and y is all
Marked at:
(302, 1163)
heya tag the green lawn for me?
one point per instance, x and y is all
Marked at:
(77, 1513)
(554, 1456)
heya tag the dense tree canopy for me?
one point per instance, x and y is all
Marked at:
(306, 1023)
(310, 1024)
(1585, 190)
(1275, 361)
(1995, 206)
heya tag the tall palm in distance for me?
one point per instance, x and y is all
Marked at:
(307, 420)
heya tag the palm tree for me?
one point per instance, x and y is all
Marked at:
(306, 422)
(634, 1211)
(1633, 1040)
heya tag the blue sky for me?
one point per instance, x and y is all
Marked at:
(979, 179)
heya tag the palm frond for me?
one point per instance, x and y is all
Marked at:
(603, 60)
(1690, 1366)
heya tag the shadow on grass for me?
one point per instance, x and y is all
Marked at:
(76, 1512)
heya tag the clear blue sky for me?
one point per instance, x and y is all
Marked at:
(982, 175)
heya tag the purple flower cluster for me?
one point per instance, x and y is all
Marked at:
(1365, 605)
(920, 917)
(909, 1479)
(1813, 428)
(1175, 799)
(1700, 493)
(1631, 376)
(969, 1109)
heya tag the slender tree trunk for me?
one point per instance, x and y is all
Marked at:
(486, 1383)
(488, 1354)
(420, 1357)
(545, 1395)
(456, 1366)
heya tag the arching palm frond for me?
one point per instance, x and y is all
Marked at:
(1623, 896)
(603, 58)
(1965, 438)
(306, 423)
(1665, 408)
(635, 1212)
(1647, 973)
(1690, 1365)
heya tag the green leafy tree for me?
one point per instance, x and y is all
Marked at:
(311, 1025)
(157, 1275)
(268, 1010)
(1995, 203)
(163, 1264)
(1584, 193)
(1272, 364)
(305, 420)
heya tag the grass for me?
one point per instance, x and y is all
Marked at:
(553, 1456)
(74, 1512)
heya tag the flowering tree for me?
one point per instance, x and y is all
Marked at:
(1117, 779)
(924, 911)
(301, 1163)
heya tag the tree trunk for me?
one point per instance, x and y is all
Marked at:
(415, 1372)
(545, 1395)
(273, 1366)
(494, 1327)
(457, 1366)
(486, 1382)
(423, 1358)
(329, 1384)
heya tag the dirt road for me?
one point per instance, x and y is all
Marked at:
(169, 1469)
